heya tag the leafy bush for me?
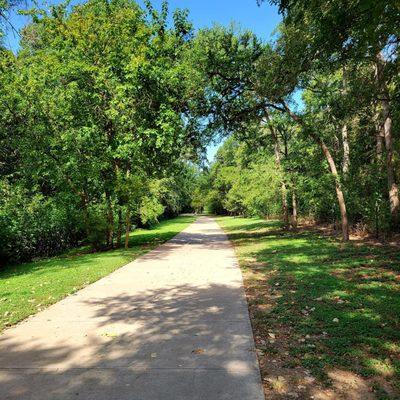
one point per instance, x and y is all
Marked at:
(150, 210)
(34, 226)
(239, 183)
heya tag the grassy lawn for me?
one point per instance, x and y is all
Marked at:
(27, 288)
(326, 316)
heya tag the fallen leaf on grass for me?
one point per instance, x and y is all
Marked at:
(278, 384)
(110, 334)
(198, 351)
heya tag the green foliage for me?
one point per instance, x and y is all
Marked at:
(213, 202)
(99, 226)
(240, 182)
(175, 192)
(354, 28)
(93, 112)
(198, 201)
(33, 225)
(201, 193)
(342, 59)
(149, 211)
(106, 104)
(221, 66)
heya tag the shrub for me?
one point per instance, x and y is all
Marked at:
(32, 225)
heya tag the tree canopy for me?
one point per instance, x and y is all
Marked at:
(107, 109)
(94, 118)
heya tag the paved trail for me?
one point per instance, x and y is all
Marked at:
(172, 325)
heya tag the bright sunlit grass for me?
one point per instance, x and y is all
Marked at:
(27, 288)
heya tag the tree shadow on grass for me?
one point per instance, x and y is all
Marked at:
(332, 307)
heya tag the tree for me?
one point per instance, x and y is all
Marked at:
(241, 181)
(355, 31)
(240, 92)
(110, 101)
(94, 110)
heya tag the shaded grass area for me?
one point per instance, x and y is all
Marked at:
(320, 308)
(27, 288)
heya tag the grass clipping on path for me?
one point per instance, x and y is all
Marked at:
(28, 288)
(325, 315)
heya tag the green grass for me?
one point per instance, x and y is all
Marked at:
(332, 305)
(27, 288)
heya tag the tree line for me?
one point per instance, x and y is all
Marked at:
(107, 108)
(93, 133)
(341, 60)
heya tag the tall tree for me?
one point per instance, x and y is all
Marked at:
(102, 101)
(358, 31)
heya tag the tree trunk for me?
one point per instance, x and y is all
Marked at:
(277, 151)
(85, 210)
(338, 187)
(284, 204)
(119, 230)
(346, 150)
(332, 166)
(393, 190)
(110, 221)
(127, 227)
(379, 137)
(392, 185)
(378, 123)
(345, 140)
(294, 209)
(379, 143)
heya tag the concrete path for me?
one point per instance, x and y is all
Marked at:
(172, 325)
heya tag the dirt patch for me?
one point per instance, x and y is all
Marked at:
(357, 237)
(366, 273)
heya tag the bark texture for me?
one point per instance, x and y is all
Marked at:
(346, 150)
(127, 227)
(338, 187)
(332, 166)
(277, 151)
(345, 139)
(294, 209)
(386, 132)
